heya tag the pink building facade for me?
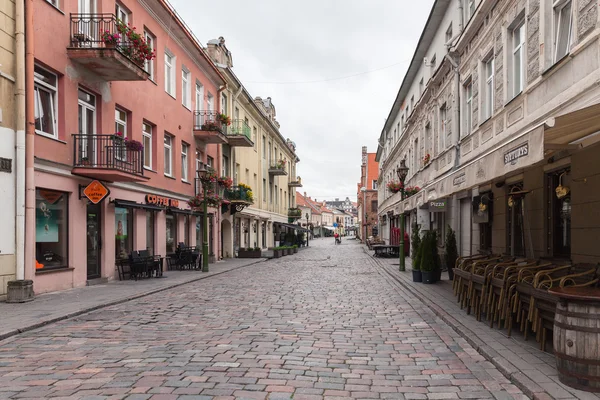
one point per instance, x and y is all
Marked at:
(86, 91)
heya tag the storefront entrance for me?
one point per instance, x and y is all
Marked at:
(94, 243)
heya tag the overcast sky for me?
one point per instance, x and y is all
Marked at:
(296, 53)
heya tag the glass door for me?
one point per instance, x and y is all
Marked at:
(94, 242)
(87, 26)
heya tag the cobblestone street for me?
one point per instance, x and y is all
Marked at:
(323, 323)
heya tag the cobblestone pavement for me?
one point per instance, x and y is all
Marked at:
(321, 324)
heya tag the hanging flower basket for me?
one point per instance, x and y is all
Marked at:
(224, 119)
(394, 186)
(225, 182)
(133, 145)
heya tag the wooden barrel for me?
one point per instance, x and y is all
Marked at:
(577, 337)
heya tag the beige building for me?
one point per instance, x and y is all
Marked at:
(265, 161)
(497, 119)
(12, 125)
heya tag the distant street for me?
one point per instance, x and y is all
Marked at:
(323, 323)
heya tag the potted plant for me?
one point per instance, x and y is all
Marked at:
(211, 126)
(84, 161)
(249, 252)
(426, 159)
(133, 145)
(451, 253)
(394, 186)
(295, 248)
(224, 119)
(110, 39)
(416, 246)
(225, 182)
(276, 252)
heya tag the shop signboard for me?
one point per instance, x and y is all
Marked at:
(161, 201)
(96, 192)
(437, 205)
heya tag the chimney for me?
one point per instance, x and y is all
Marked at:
(364, 155)
(304, 194)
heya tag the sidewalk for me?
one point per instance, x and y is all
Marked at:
(532, 370)
(52, 307)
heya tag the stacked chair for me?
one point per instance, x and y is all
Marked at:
(507, 289)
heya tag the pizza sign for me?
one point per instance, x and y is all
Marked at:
(96, 192)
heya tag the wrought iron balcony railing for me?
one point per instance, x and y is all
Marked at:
(295, 213)
(105, 31)
(239, 194)
(108, 152)
(208, 120)
(239, 127)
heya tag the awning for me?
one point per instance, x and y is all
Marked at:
(292, 226)
(181, 211)
(133, 204)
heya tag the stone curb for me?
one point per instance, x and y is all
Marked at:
(42, 323)
(527, 386)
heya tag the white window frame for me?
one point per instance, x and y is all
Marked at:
(149, 64)
(518, 53)
(469, 9)
(558, 8)
(449, 33)
(443, 126)
(120, 151)
(199, 96)
(184, 161)
(488, 84)
(168, 147)
(468, 94)
(170, 65)
(120, 10)
(147, 142)
(186, 91)
(52, 91)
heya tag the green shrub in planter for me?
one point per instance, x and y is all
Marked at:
(295, 248)
(430, 262)
(451, 252)
(416, 261)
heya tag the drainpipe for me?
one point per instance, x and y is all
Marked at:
(217, 229)
(29, 143)
(20, 140)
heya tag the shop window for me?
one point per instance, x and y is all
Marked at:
(150, 224)
(171, 233)
(123, 232)
(51, 229)
(559, 214)
(516, 238)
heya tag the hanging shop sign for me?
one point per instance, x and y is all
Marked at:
(161, 201)
(437, 205)
(96, 192)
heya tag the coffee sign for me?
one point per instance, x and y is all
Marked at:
(511, 156)
(161, 201)
(96, 192)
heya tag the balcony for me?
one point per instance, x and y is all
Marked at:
(108, 158)
(91, 47)
(294, 214)
(278, 168)
(208, 128)
(239, 197)
(295, 183)
(238, 134)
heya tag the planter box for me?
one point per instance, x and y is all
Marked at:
(417, 276)
(295, 250)
(429, 276)
(290, 252)
(276, 253)
(249, 253)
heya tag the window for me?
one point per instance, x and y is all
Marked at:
(210, 102)
(374, 206)
(264, 191)
(468, 113)
(199, 96)
(276, 197)
(150, 224)
(147, 142)
(198, 160)
(518, 55)
(168, 155)
(45, 92)
(449, 33)
(184, 161)
(562, 28)
(186, 93)
(264, 147)
(171, 233)
(170, 63)
(515, 242)
(433, 64)
(374, 184)
(488, 99)
(428, 141)
(51, 228)
(401, 125)
(421, 86)
(443, 126)
(149, 64)
(210, 161)
(121, 13)
(412, 102)
(469, 9)
(225, 166)
(224, 109)
(121, 126)
(254, 135)
(123, 232)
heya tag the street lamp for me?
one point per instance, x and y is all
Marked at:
(364, 223)
(202, 173)
(307, 230)
(402, 171)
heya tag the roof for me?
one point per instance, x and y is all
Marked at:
(431, 27)
(305, 201)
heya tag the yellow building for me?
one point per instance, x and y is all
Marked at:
(266, 161)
